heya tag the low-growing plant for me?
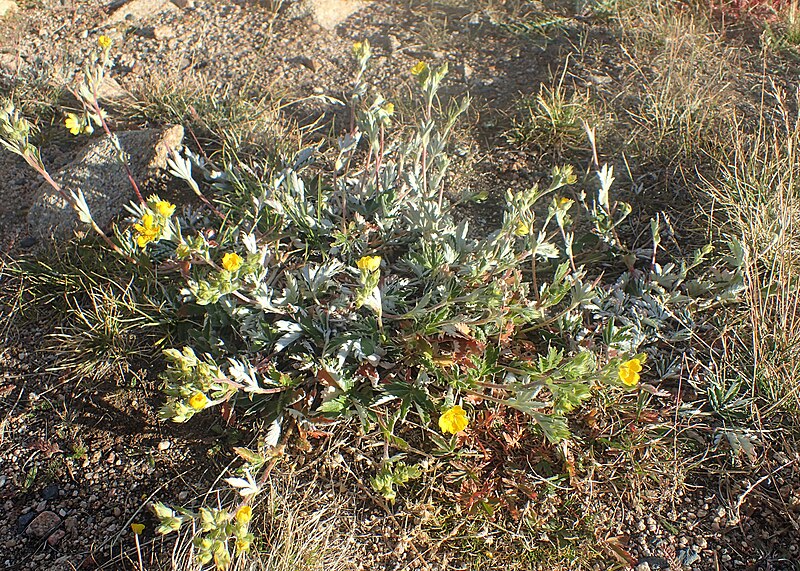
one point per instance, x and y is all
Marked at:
(348, 290)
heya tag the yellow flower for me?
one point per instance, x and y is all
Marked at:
(522, 229)
(388, 108)
(104, 42)
(357, 47)
(232, 261)
(454, 420)
(243, 515)
(369, 263)
(564, 201)
(629, 372)
(73, 123)
(164, 208)
(198, 401)
(137, 528)
(242, 545)
(420, 68)
(148, 230)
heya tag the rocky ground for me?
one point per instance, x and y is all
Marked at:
(80, 461)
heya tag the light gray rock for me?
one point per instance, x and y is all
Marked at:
(98, 173)
(7, 7)
(327, 13)
(110, 91)
(140, 10)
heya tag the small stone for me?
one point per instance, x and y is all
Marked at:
(50, 492)
(8, 63)
(7, 7)
(40, 507)
(183, 495)
(702, 513)
(55, 537)
(701, 543)
(643, 566)
(24, 520)
(117, 512)
(111, 457)
(43, 524)
(163, 445)
(163, 32)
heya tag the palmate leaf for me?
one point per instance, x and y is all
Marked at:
(245, 486)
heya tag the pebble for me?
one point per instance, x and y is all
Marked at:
(24, 520)
(50, 492)
(41, 506)
(164, 444)
(55, 537)
(43, 524)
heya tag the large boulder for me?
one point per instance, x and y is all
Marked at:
(98, 173)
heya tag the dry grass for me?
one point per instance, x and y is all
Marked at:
(758, 189)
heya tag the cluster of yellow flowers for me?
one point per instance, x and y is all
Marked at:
(151, 226)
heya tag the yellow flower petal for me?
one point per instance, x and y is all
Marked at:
(369, 263)
(148, 230)
(164, 208)
(232, 261)
(104, 42)
(522, 229)
(72, 122)
(198, 401)
(419, 68)
(454, 420)
(629, 372)
(137, 528)
(243, 515)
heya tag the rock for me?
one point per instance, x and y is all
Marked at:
(40, 507)
(183, 3)
(97, 172)
(140, 10)
(55, 537)
(327, 13)
(163, 445)
(331, 13)
(8, 63)
(653, 563)
(163, 32)
(7, 7)
(50, 492)
(24, 520)
(43, 524)
(110, 91)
